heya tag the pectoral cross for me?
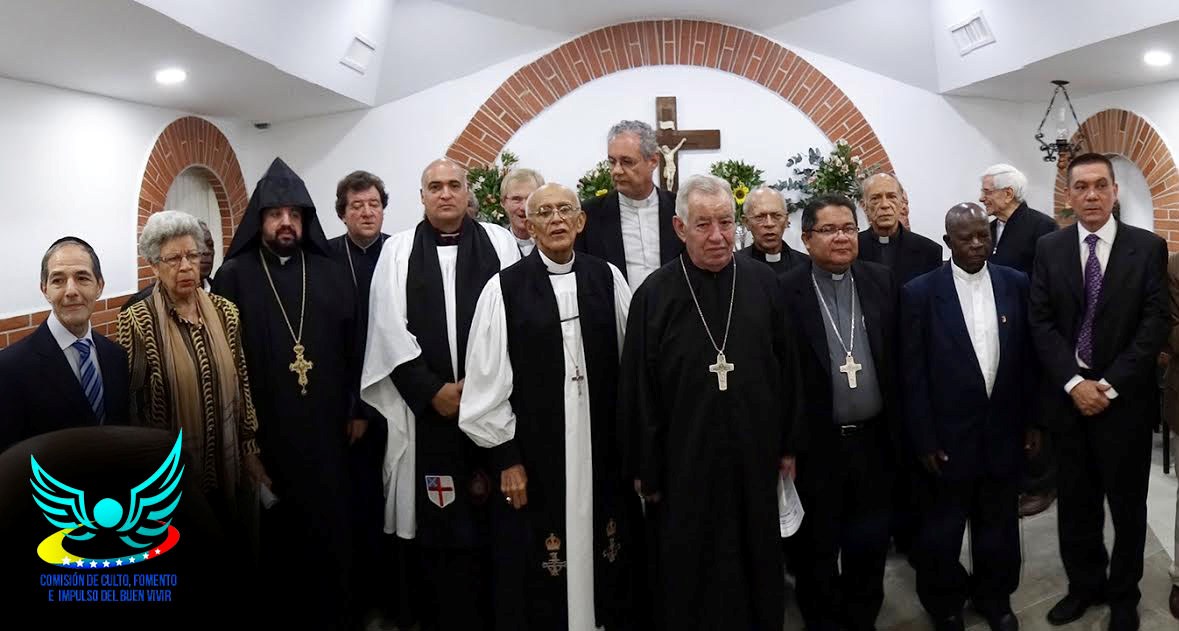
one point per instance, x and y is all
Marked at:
(667, 133)
(850, 368)
(722, 369)
(577, 378)
(300, 367)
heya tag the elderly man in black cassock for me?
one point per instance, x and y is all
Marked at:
(546, 336)
(423, 297)
(767, 219)
(845, 315)
(298, 318)
(707, 400)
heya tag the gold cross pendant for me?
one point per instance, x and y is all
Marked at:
(300, 367)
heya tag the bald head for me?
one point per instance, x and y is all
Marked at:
(447, 165)
(968, 236)
(444, 194)
(551, 193)
(765, 214)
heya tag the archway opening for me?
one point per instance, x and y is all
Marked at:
(192, 192)
(1134, 198)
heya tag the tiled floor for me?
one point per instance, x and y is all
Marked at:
(1043, 582)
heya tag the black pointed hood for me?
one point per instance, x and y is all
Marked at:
(279, 187)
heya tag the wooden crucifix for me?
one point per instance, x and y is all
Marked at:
(671, 140)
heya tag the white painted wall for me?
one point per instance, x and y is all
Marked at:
(1133, 194)
(72, 164)
(1026, 32)
(938, 146)
(306, 38)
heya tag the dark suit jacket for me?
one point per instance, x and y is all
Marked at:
(946, 402)
(39, 392)
(1132, 324)
(791, 258)
(602, 236)
(916, 255)
(816, 432)
(1017, 247)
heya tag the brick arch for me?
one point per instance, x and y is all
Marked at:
(1117, 131)
(185, 143)
(538, 85)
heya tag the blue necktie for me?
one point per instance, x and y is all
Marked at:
(91, 383)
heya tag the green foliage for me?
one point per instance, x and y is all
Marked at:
(596, 182)
(839, 172)
(741, 176)
(484, 186)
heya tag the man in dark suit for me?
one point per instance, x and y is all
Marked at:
(64, 374)
(766, 217)
(969, 370)
(1014, 233)
(886, 241)
(1099, 318)
(631, 225)
(844, 315)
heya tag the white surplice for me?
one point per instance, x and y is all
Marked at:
(390, 344)
(485, 413)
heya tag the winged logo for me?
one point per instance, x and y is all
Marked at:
(148, 514)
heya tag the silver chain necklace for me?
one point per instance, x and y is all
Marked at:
(722, 368)
(849, 367)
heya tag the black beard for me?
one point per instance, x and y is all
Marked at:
(282, 250)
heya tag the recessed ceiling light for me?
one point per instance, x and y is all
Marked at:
(1157, 58)
(170, 76)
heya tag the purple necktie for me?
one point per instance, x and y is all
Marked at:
(1092, 293)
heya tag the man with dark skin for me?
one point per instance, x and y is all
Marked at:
(967, 418)
(767, 219)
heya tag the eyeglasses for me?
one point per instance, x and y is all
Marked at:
(768, 218)
(546, 213)
(830, 231)
(173, 260)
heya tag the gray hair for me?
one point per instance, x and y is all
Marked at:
(647, 146)
(167, 225)
(704, 184)
(520, 175)
(528, 206)
(1007, 176)
(759, 191)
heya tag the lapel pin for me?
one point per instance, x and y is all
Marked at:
(1003, 319)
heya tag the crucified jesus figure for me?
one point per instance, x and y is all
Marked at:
(669, 163)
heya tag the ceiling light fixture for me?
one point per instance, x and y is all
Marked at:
(1157, 58)
(170, 76)
(1061, 146)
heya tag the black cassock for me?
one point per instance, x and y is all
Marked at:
(304, 538)
(712, 455)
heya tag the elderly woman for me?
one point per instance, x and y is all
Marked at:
(188, 371)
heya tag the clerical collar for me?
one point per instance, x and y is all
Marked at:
(773, 258)
(364, 248)
(554, 267)
(446, 238)
(966, 276)
(885, 240)
(282, 260)
(522, 242)
(822, 273)
(651, 200)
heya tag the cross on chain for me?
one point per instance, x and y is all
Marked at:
(850, 368)
(721, 368)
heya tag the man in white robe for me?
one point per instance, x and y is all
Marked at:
(422, 299)
(546, 335)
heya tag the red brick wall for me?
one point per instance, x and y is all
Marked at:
(186, 142)
(1127, 134)
(536, 86)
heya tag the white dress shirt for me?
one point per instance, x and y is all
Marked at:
(1105, 239)
(65, 341)
(1000, 225)
(977, 298)
(640, 236)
